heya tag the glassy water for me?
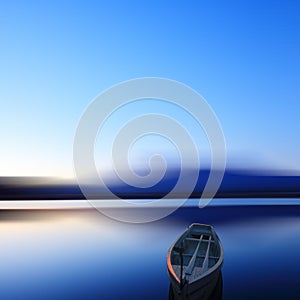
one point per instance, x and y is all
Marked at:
(81, 254)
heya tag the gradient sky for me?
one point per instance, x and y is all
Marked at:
(56, 56)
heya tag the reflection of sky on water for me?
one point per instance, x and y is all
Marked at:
(262, 259)
(80, 253)
(67, 254)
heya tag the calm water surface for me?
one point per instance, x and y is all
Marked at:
(81, 254)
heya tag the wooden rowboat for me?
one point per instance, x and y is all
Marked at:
(194, 263)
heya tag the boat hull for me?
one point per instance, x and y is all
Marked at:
(200, 286)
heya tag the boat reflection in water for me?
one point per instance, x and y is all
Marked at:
(194, 264)
(216, 293)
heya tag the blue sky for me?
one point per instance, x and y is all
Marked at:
(241, 56)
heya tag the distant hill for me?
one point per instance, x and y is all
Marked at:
(235, 184)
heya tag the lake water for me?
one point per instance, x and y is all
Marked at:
(81, 254)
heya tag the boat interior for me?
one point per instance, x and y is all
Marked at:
(197, 251)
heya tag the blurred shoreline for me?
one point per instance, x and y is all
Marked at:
(235, 184)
